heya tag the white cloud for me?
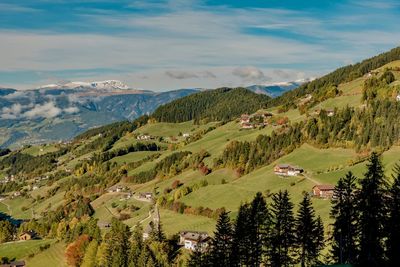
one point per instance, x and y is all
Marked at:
(250, 74)
(176, 48)
(11, 112)
(71, 110)
(47, 110)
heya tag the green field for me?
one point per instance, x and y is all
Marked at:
(165, 129)
(16, 205)
(40, 150)
(173, 222)
(104, 210)
(22, 249)
(132, 157)
(53, 256)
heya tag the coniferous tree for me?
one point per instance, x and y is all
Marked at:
(393, 223)
(136, 245)
(259, 228)
(309, 235)
(119, 246)
(345, 214)
(197, 259)
(222, 244)
(281, 238)
(242, 239)
(372, 214)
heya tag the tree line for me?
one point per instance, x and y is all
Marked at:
(340, 75)
(375, 126)
(365, 228)
(221, 104)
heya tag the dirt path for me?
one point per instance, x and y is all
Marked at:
(311, 179)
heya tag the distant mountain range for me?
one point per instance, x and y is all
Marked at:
(60, 111)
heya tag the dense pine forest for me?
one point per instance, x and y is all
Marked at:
(214, 105)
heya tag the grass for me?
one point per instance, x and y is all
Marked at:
(21, 249)
(132, 157)
(173, 222)
(170, 129)
(104, 210)
(53, 256)
(16, 205)
(312, 159)
(40, 150)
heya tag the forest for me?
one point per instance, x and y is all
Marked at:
(221, 104)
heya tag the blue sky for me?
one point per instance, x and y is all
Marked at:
(162, 45)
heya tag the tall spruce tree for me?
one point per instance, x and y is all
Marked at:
(372, 214)
(118, 244)
(345, 215)
(281, 238)
(242, 238)
(309, 235)
(259, 228)
(222, 244)
(393, 223)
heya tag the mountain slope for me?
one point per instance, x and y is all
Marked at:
(44, 115)
(214, 105)
(341, 75)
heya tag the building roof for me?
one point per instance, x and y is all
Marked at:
(194, 235)
(325, 187)
(284, 166)
(14, 264)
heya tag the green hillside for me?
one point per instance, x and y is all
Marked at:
(197, 159)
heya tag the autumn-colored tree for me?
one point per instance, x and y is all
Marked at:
(76, 250)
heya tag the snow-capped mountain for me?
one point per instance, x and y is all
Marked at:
(99, 85)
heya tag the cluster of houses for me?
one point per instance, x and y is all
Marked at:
(255, 120)
(144, 137)
(287, 170)
(330, 112)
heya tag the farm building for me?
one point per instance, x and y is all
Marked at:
(115, 188)
(323, 190)
(144, 137)
(245, 118)
(14, 264)
(193, 240)
(146, 195)
(247, 126)
(287, 170)
(28, 235)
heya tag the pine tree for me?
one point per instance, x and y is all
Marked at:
(221, 250)
(197, 258)
(345, 214)
(119, 246)
(281, 239)
(242, 238)
(136, 245)
(259, 228)
(308, 234)
(393, 223)
(372, 214)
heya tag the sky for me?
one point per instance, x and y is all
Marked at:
(165, 45)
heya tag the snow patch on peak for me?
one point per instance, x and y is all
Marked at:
(100, 85)
(109, 84)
